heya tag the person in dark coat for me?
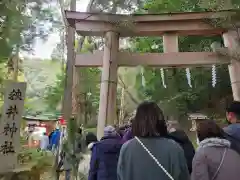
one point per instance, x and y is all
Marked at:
(91, 139)
(179, 136)
(128, 135)
(122, 130)
(105, 153)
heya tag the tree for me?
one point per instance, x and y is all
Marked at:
(115, 6)
(54, 93)
(178, 98)
(57, 53)
(21, 23)
(231, 21)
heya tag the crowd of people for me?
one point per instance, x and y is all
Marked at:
(50, 142)
(149, 148)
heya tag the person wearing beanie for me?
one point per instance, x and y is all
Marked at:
(110, 131)
(105, 153)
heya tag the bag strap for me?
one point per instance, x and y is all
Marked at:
(220, 165)
(154, 158)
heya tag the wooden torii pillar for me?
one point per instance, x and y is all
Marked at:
(230, 39)
(107, 109)
(170, 26)
(170, 45)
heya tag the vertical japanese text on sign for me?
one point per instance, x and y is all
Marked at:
(15, 95)
(10, 129)
(7, 148)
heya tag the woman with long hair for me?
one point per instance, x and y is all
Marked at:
(214, 158)
(151, 155)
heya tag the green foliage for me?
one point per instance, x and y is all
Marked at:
(113, 6)
(91, 89)
(88, 85)
(23, 21)
(91, 86)
(70, 146)
(40, 75)
(54, 93)
(178, 98)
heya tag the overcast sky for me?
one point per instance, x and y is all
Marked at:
(43, 50)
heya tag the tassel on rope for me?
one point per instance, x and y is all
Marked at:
(143, 78)
(163, 79)
(214, 76)
(188, 74)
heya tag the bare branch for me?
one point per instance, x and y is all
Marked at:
(123, 85)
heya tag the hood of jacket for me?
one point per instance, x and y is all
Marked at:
(110, 144)
(90, 146)
(214, 142)
(128, 135)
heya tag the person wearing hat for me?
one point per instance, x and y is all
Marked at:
(233, 118)
(105, 153)
(232, 131)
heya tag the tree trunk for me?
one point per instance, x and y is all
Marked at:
(121, 113)
(79, 102)
(16, 65)
(67, 100)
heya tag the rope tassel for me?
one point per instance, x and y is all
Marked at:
(188, 74)
(163, 79)
(143, 78)
(214, 76)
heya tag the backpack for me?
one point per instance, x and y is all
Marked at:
(235, 143)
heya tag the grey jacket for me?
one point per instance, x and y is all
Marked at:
(208, 158)
(135, 163)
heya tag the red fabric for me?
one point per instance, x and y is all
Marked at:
(62, 121)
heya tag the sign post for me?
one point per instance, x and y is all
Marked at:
(10, 124)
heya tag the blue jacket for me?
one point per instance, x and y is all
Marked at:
(232, 133)
(55, 137)
(233, 130)
(104, 159)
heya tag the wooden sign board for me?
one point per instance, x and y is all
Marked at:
(195, 118)
(10, 124)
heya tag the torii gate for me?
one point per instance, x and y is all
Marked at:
(170, 26)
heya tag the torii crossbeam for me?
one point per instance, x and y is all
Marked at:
(169, 26)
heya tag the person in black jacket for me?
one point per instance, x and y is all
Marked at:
(91, 138)
(179, 136)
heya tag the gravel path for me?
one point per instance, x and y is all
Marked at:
(83, 168)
